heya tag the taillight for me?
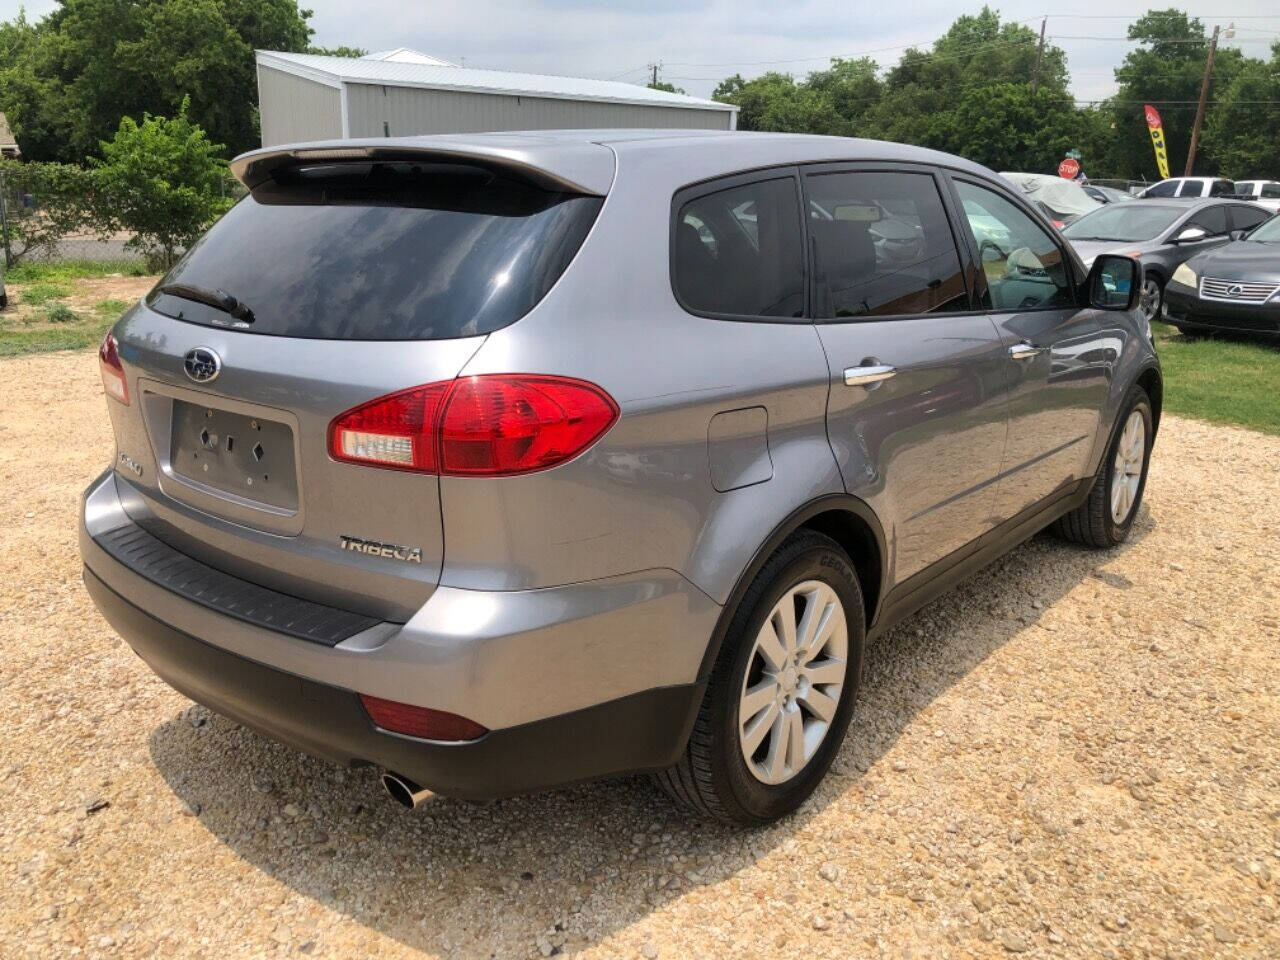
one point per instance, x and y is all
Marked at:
(420, 721)
(488, 425)
(112, 370)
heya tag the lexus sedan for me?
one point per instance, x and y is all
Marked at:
(1231, 288)
(1162, 234)
(507, 461)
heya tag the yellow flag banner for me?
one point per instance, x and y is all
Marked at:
(1157, 140)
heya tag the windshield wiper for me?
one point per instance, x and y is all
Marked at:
(218, 299)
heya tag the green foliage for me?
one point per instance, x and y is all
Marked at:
(110, 307)
(60, 313)
(44, 202)
(337, 51)
(72, 336)
(66, 81)
(162, 181)
(65, 270)
(667, 87)
(1241, 134)
(38, 293)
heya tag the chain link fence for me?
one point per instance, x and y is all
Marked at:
(48, 218)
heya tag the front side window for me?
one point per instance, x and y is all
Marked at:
(1191, 188)
(882, 245)
(738, 252)
(1024, 268)
(1166, 188)
(1222, 188)
(1271, 190)
(1212, 221)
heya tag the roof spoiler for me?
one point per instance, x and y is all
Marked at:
(563, 167)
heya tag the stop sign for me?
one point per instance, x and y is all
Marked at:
(1068, 168)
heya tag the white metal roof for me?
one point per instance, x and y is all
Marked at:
(407, 55)
(335, 71)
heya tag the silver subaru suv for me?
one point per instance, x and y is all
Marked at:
(502, 462)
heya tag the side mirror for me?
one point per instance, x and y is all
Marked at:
(1238, 234)
(1190, 235)
(1114, 282)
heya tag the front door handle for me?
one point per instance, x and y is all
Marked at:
(1025, 351)
(865, 376)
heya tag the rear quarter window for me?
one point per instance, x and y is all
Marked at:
(738, 252)
(383, 251)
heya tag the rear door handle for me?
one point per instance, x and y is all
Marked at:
(1025, 351)
(865, 376)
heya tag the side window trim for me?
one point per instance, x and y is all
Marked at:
(703, 188)
(1064, 248)
(810, 170)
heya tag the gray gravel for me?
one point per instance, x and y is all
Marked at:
(1072, 755)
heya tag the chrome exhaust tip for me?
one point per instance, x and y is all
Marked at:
(403, 790)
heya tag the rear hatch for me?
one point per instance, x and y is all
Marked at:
(333, 283)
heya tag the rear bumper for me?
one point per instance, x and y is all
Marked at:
(1185, 309)
(573, 683)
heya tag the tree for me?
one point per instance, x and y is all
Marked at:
(44, 202)
(90, 62)
(661, 85)
(161, 180)
(776, 102)
(1243, 128)
(1167, 71)
(354, 52)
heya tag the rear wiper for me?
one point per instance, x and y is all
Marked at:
(218, 299)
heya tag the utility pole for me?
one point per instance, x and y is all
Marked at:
(1204, 95)
(654, 68)
(1035, 76)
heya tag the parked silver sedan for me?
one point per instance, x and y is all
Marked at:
(1162, 234)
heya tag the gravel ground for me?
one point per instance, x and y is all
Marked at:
(1071, 755)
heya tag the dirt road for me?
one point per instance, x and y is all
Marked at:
(1072, 755)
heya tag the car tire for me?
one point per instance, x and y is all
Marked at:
(716, 778)
(1100, 522)
(1153, 296)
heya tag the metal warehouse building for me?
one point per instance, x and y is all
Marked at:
(403, 92)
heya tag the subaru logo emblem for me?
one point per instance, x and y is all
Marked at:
(1235, 290)
(202, 364)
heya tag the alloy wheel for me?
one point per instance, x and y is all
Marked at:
(1149, 301)
(1126, 473)
(795, 676)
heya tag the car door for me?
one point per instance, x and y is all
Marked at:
(1057, 356)
(917, 410)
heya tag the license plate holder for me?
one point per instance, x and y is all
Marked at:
(250, 458)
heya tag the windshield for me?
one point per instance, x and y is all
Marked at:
(379, 251)
(1268, 232)
(1127, 223)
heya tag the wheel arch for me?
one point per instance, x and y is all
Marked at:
(845, 519)
(1151, 381)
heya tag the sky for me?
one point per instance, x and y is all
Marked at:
(698, 42)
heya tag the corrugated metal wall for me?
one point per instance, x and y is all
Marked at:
(407, 111)
(294, 108)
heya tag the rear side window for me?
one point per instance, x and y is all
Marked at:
(883, 246)
(738, 252)
(1222, 188)
(1212, 221)
(383, 251)
(1191, 188)
(1271, 190)
(1246, 218)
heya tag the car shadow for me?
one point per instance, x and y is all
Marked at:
(560, 871)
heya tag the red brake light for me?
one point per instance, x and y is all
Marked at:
(516, 423)
(420, 721)
(487, 425)
(113, 379)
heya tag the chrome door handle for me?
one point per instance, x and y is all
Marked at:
(865, 376)
(1025, 351)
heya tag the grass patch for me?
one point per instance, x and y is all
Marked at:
(41, 292)
(14, 343)
(110, 308)
(1225, 381)
(60, 313)
(74, 270)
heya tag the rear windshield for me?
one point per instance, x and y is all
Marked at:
(381, 251)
